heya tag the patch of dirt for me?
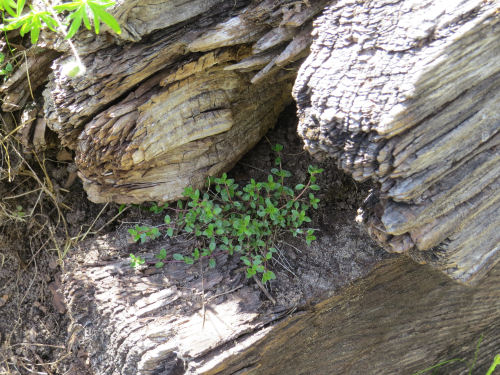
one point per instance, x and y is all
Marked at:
(34, 333)
(33, 239)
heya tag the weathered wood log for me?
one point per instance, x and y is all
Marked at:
(180, 318)
(401, 318)
(408, 94)
(181, 94)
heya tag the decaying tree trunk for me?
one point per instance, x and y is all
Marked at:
(401, 318)
(408, 94)
(402, 93)
(185, 91)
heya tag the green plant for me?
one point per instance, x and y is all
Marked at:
(496, 361)
(75, 12)
(246, 221)
(7, 69)
(136, 260)
(80, 10)
(144, 233)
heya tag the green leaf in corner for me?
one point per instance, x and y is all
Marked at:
(100, 14)
(8, 5)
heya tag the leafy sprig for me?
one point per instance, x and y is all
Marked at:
(7, 69)
(79, 11)
(246, 221)
(8, 6)
(33, 21)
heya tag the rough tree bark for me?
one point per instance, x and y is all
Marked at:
(408, 94)
(185, 91)
(403, 93)
(401, 318)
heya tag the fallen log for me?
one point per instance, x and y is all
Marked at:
(407, 94)
(181, 318)
(401, 318)
(181, 94)
(226, 68)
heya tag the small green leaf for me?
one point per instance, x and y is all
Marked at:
(66, 7)
(162, 254)
(211, 263)
(268, 275)
(246, 261)
(20, 7)
(178, 256)
(108, 19)
(196, 254)
(49, 21)
(76, 18)
(188, 260)
(250, 272)
(7, 5)
(278, 147)
(136, 260)
(159, 264)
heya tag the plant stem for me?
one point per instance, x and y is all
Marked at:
(63, 31)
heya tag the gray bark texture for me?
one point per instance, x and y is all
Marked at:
(400, 318)
(407, 94)
(183, 319)
(402, 92)
(181, 94)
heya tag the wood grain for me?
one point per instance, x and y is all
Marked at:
(407, 94)
(182, 94)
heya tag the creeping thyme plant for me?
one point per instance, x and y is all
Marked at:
(243, 221)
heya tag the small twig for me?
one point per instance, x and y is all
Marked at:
(93, 223)
(21, 195)
(268, 295)
(282, 264)
(286, 243)
(251, 166)
(112, 219)
(40, 362)
(203, 295)
(28, 75)
(221, 294)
